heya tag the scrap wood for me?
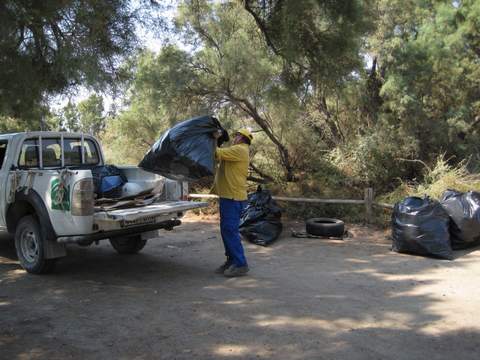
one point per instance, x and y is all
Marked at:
(125, 204)
(303, 234)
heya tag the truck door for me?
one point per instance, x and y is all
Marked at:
(3, 180)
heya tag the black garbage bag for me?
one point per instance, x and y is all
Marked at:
(464, 211)
(420, 226)
(108, 181)
(186, 152)
(260, 222)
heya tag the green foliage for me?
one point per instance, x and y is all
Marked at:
(431, 82)
(233, 63)
(156, 100)
(9, 124)
(321, 36)
(376, 158)
(234, 68)
(69, 118)
(87, 116)
(50, 46)
(92, 119)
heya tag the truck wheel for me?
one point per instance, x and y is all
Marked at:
(128, 244)
(29, 247)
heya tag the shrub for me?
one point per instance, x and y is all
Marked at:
(376, 158)
(436, 180)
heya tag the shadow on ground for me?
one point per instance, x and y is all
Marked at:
(305, 299)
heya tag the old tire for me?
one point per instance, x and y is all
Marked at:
(128, 244)
(325, 227)
(29, 244)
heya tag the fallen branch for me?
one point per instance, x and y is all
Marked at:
(257, 180)
(417, 161)
(266, 177)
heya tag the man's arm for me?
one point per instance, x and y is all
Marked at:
(232, 153)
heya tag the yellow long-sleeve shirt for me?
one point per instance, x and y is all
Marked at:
(231, 177)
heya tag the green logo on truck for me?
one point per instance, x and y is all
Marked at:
(60, 195)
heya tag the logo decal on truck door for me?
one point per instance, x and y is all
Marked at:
(60, 195)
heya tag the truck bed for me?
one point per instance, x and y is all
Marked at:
(150, 214)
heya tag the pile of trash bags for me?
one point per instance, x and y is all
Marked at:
(435, 228)
(260, 222)
(186, 152)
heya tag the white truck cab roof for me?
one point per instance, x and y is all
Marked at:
(27, 134)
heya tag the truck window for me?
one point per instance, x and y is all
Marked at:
(29, 154)
(3, 151)
(52, 152)
(73, 152)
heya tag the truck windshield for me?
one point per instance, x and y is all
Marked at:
(3, 151)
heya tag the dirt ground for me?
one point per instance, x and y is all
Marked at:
(304, 299)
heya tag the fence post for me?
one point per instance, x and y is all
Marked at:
(368, 205)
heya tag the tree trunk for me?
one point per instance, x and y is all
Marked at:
(248, 107)
(266, 178)
(330, 123)
(373, 102)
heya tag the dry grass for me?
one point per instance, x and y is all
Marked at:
(437, 179)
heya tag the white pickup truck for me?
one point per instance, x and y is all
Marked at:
(47, 199)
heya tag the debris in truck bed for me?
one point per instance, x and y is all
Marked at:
(111, 204)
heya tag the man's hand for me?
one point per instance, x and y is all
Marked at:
(217, 134)
(221, 136)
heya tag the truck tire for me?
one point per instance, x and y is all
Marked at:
(128, 244)
(325, 227)
(29, 244)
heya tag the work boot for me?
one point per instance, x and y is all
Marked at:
(221, 269)
(234, 271)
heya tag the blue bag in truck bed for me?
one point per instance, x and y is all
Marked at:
(108, 181)
(186, 152)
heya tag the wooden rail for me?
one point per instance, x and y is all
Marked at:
(291, 199)
(384, 205)
(368, 201)
(203, 196)
(318, 201)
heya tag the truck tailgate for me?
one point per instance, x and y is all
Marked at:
(149, 214)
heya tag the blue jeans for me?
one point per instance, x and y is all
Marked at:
(230, 211)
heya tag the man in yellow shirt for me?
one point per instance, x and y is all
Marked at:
(231, 186)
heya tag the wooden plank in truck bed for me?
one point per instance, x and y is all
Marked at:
(150, 214)
(161, 208)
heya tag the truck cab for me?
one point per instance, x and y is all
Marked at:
(48, 198)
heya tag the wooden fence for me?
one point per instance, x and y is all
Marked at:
(368, 201)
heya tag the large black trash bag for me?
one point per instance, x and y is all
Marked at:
(186, 152)
(260, 222)
(464, 210)
(420, 226)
